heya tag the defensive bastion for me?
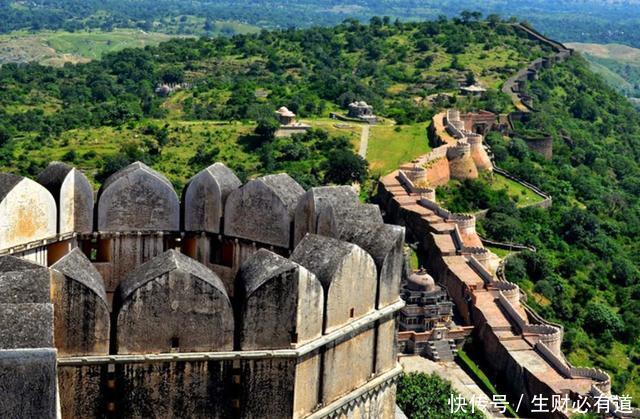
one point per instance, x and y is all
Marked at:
(254, 300)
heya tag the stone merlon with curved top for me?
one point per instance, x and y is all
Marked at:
(81, 308)
(27, 211)
(173, 302)
(385, 243)
(332, 220)
(73, 194)
(282, 303)
(336, 263)
(137, 198)
(204, 198)
(263, 210)
(314, 201)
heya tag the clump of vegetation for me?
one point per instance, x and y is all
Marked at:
(422, 396)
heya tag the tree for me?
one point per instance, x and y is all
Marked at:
(344, 167)
(266, 128)
(422, 396)
(601, 319)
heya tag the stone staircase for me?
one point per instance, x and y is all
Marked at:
(441, 350)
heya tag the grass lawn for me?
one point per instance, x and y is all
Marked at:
(58, 47)
(390, 146)
(523, 196)
(501, 253)
(480, 377)
(337, 128)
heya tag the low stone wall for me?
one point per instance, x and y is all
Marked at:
(546, 203)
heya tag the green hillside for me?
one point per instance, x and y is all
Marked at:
(104, 107)
(104, 114)
(618, 64)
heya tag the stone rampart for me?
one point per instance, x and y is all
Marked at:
(506, 332)
(228, 297)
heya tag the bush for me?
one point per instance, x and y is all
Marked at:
(422, 396)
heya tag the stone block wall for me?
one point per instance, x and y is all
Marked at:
(225, 303)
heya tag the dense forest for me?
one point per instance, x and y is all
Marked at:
(567, 20)
(392, 65)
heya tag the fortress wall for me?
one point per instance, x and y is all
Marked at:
(347, 365)
(519, 381)
(478, 153)
(81, 318)
(118, 254)
(513, 360)
(166, 306)
(82, 390)
(39, 255)
(281, 303)
(406, 180)
(543, 146)
(307, 396)
(386, 345)
(27, 357)
(193, 389)
(263, 210)
(268, 388)
(439, 172)
(28, 383)
(204, 197)
(137, 198)
(155, 306)
(461, 164)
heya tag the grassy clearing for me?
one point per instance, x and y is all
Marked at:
(338, 128)
(501, 253)
(59, 47)
(480, 377)
(522, 195)
(390, 146)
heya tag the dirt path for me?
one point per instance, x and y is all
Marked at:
(364, 141)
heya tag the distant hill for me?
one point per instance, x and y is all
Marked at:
(618, 64)
(58, 48)
(566, 20)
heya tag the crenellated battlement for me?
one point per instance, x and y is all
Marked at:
(265, 268)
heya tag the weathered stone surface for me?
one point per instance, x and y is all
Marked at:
(27, 211)
(173, 303)
(138, 198)
(263, 210)
(73, 195)
(314, 201)
(28, 383)
(267, 390)
(81, 390)
(385, 243)
(22, 281)
(187, 389)
(307, 385)
(204, 198)
(333, 219)
(347, 273)
(282, 303)
(26, 326)
(81, 321)
(347, 365)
